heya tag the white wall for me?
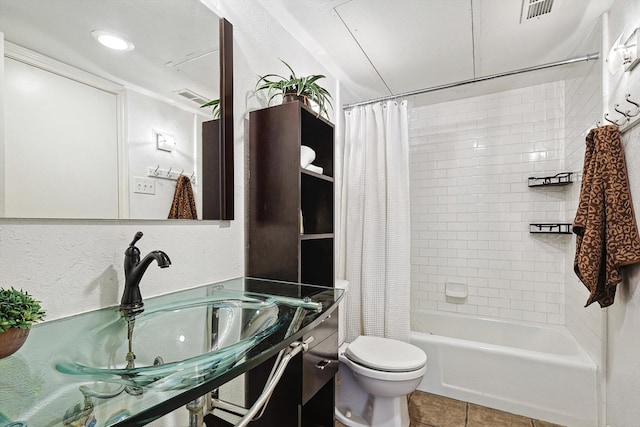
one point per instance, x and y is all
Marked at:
(75, 266)
(583, 107)
(471, 206)
(623, 317)
(51, 180)
(43, 178)
(259, 44)
(146, 115)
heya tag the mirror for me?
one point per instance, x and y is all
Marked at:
(113, 130)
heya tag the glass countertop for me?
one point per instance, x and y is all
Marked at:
(105, 369)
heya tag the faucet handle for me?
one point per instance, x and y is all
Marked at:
(137, 237)
(132, 255)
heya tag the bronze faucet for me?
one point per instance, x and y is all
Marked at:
(134, 268)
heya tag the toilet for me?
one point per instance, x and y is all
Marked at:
(375, 376)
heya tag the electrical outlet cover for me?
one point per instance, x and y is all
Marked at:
(144, 185)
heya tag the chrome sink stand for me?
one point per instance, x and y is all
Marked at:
(244, 415)
(196, 411)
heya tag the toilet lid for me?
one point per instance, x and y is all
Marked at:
(385, 354)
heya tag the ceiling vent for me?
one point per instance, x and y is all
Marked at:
(192, 96)
(535, 8)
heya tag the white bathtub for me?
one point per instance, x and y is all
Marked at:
(529, 369)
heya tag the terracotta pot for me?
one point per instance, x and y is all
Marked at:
(11, 341)
(289, 97)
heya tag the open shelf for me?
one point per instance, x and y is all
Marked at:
(550, 228)
(562, 178)
(316, 175)
(316, 236)
(316, 202)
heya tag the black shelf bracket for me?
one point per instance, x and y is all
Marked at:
(551, 228)
(562, 178)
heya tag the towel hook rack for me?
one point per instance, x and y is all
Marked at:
(170, 174)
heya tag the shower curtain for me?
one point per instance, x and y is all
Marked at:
(374, 227)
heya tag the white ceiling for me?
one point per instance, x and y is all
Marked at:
(375, 47)
(386, 47)
(176, 41)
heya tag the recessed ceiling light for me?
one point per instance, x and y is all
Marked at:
(112, 41)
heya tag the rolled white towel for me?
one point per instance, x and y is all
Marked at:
(307, 155)
(314, 168)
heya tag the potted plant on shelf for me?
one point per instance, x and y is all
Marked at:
(18, 311)
(215, 103)
(296, 88)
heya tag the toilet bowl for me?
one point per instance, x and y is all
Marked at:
(375, 376)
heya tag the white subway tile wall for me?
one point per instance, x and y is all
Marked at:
(471, 205)
(583, 107)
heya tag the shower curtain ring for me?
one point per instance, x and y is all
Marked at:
(155, 172)
(169, 173)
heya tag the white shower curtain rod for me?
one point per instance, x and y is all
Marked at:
(588, 57)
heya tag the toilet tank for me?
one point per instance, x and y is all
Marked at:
(342, 314)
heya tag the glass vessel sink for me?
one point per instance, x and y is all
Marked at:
(182, 346)
(174, 345)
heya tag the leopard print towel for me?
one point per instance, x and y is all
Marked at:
(184, 204)
(605, 224)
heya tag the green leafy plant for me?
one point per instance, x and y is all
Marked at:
(18, 309)
(306, 87)
(216, 110)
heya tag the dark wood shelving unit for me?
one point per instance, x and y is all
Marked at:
(290, 236)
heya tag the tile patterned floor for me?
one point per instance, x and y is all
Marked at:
(430, 410)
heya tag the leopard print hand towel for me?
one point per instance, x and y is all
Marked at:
(184, 204)
(605, 224)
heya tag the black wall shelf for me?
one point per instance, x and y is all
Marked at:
(562, 178)
(550, 228)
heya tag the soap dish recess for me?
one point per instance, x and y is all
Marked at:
(455, 292)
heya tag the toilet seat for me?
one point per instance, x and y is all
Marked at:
(374, 378)
(384, 354)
